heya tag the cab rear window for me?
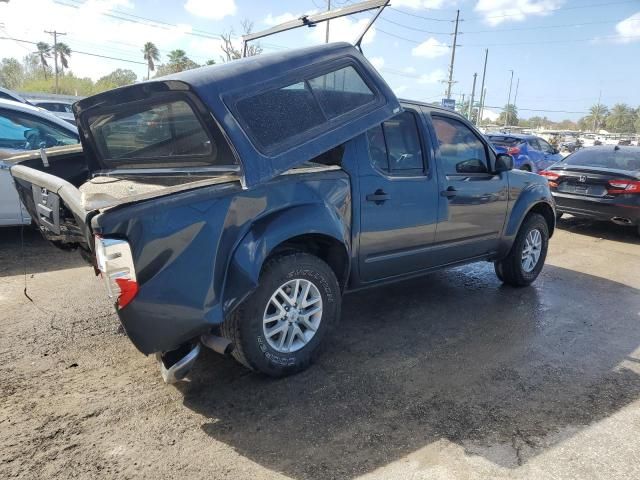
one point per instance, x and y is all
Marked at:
(274, 117)
(168, 133)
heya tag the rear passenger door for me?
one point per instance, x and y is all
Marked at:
(398, 199)
(473, 200)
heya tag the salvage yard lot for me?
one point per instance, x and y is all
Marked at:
(448, 376)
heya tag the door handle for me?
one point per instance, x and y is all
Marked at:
(449, 192)
(379, 196)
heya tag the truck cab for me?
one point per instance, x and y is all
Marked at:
(233, 206)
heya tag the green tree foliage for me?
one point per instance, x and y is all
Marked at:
(177, 62)
(64, 52)
(621, 119)
(117, 78)
(510, 112)
(11, 73)
(44, 53)
(151, 56)
(597, 117)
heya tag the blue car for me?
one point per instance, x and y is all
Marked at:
(529, 152)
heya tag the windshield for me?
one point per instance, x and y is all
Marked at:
(619, 159)
(165, 134)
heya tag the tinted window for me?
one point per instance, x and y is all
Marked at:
(169, 131)
(504, 141)
(279, 114)
(22, 131)
(276, 116)
(533, 143)
(341, 91)
(394, 146)
(622, 159)
(461, 151)
(544, 146)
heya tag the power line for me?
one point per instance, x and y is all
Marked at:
(78, 51)
(575, 7)
(408, 27)
(421, 16)
(542, 27)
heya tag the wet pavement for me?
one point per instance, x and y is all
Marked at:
(449, 376)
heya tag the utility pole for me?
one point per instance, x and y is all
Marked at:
(482, 89)
(483, 96)
(450, 82)
(326, 35)
(506, 112)
(55, 51)
(515, 97)
(597, 112)
(473, 94)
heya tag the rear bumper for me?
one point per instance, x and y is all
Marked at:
(599, 208)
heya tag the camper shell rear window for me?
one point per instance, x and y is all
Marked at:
(292, 113)
(164, 131)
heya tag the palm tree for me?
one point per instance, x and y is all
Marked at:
(44, 52)
(151, 55)
(64, 52)
(178, 58)
(597, 117)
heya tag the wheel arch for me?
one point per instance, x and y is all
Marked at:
(312, 228)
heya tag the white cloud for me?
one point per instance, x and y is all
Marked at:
(215, 10)
(497, 11)
(399, 89)
(433, 77)
(430, 48)
(89, 30)
(628, 30)
(278, 19)
(421, 4)
(377, 62)
(343, 29)
(409, 70)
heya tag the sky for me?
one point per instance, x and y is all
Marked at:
(565, 53)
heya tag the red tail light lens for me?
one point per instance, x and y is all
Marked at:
(618, 187)
(551, 176)
(115, 262)
(513, 151)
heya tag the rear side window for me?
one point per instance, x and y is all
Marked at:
(22, 131)
(167, 133)
(277, 116)
(394, 146)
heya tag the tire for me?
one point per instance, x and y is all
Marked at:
(257, 351)
(511, 269)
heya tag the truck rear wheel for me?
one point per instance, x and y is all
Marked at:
(528, 253)
(279, 329)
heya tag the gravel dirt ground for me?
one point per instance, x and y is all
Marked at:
(448, 376)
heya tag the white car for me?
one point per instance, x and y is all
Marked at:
(25, 127)
(60, 109)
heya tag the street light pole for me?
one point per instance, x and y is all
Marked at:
(326, 35)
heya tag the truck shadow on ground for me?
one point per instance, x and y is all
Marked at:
(599, 229)
(500, 372)
(24, 248)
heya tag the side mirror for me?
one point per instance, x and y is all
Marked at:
(504, 163)
(555, 151)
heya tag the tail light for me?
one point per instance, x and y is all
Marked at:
(617, 187)
(551, 177)
(115, 262)
(513, 151)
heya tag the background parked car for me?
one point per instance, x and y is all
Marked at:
(529, 152)
(598, 182)
(25, 127)
(7, 94)
(60, 109)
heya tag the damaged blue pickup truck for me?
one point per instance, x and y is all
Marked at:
(232, 206)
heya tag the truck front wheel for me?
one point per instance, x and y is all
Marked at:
(279, 329)
(528, 253)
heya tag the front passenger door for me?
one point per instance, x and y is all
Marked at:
(474, 205)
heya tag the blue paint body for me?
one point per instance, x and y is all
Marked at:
(534, 152)
(198, 253)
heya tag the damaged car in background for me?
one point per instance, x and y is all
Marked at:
(232, 206)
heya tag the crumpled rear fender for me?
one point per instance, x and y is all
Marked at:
(273, 230)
